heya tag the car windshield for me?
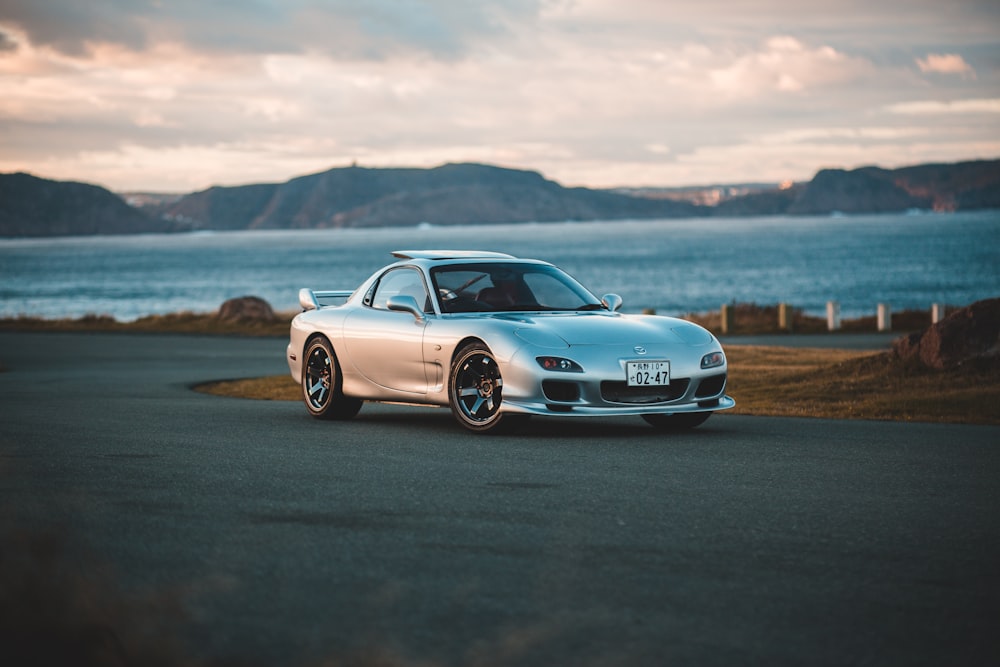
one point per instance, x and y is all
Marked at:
(508, 286)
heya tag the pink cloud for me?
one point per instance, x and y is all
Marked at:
(945, 63)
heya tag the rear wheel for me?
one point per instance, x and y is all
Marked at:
(475, 391)
(321, 384)
(677, 422)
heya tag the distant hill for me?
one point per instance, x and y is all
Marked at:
(475, 193)
(446, 195)
(470, 194)
(31, 206)
(940, 187)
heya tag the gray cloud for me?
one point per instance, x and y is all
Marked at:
(595, 92)
(7, 43)
(68, 26)
(374, 29)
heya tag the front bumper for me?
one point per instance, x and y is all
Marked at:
(600, 387)
(606, 410)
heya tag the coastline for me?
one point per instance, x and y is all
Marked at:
(751, 324)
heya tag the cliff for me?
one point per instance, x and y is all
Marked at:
(953, 187)
(446, 195)
(868, 190)
(469, 194)
(962, 186)
(31, 206)
(474, 193)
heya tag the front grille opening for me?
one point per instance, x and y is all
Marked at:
(559, 390)
(710, 386)
(620, 392)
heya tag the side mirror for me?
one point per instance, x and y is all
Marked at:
(612, 302)
(404, 303)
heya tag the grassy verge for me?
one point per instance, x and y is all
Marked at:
(835, 384)
(185, 322)
(748, 319)
(840, 384)
(797, 382)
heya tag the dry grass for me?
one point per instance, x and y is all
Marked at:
(185, 322)
(273, 388)
(748, 319)
(840, 384)
(797, 382)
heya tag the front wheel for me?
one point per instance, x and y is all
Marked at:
(475, 391)
(321, 388)
(678, 422)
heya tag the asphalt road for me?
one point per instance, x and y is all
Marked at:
(246, 533)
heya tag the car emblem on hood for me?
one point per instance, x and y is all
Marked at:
(639, 349)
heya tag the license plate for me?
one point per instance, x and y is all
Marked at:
(647, 373)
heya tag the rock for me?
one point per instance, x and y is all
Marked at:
(967, 334)
(246, 309)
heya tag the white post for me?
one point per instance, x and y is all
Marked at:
(725, 318)
(832, 316)
(784, 322)
(884, 317)
(937, 312)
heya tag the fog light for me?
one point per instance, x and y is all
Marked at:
(713, 359)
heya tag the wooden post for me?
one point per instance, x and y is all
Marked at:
(725, 318)
(783, 321)
(937, 312)
(884, 317)
(832, 316)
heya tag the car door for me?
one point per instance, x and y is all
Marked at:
(386, 346)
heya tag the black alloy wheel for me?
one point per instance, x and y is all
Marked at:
(476, 391)
(321, 387)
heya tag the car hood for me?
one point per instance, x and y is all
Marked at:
(611, 329)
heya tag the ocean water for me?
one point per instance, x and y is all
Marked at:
(672, 266)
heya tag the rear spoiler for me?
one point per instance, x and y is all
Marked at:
(310, 299)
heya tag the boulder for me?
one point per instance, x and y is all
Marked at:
(965, 335)
(246, 309)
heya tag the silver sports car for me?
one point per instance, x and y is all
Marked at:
(497, 338)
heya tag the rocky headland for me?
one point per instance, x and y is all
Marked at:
(470, 194)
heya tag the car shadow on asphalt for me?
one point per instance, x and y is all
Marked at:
(439, 420)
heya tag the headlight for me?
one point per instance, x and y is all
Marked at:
(559, 364)
(713, 359)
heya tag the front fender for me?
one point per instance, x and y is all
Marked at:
(445, 336)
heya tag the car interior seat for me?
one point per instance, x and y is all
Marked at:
(494, 296)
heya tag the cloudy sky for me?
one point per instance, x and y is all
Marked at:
(178, 95)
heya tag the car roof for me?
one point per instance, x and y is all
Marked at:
(450, 254)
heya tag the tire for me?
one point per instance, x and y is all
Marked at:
(678, 422)
(321, 384)
(475, 391)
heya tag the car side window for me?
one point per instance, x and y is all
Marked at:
(401, 282)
